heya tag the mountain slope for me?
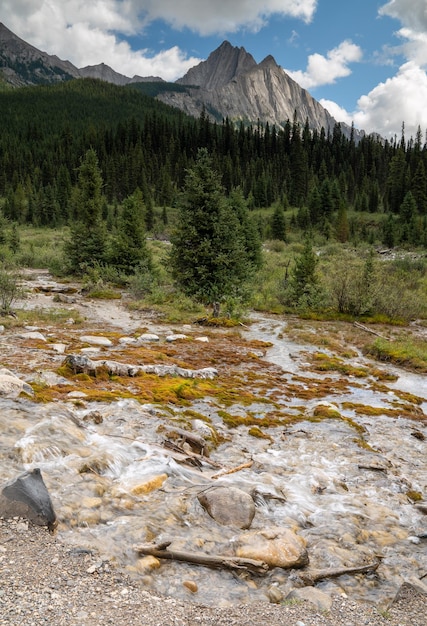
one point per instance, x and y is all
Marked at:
(229, 84)
(22, 64)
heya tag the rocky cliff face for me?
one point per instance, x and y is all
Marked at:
(22, 64)
(231, 84)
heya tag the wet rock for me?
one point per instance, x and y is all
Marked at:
(274, 594)
(149, 485)
(81, 363)
(278, 547)
(321, 600)
(27, 496)
(11, 386)
(93, 416)
(228, 506)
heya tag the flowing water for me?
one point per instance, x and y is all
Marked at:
(114, 485)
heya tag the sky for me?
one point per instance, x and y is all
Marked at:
(363, 60)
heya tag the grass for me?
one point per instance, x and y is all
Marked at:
(410, 353)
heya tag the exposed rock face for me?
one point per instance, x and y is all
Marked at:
(229, 84)
(22, 64)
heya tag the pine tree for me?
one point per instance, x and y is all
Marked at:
(209, 259)
(87, 244)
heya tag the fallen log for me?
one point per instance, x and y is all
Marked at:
(311, 577)
(368, 330)
(161, 551)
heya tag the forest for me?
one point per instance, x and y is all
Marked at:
(309, 208)
(330, 182)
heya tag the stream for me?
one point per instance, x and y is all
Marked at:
(114, 485)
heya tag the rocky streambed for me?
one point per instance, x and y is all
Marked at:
(278, 444)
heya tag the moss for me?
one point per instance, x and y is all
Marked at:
(406, 353)
(326, 411)
(415, 496)
(255, 431)
(324, 363)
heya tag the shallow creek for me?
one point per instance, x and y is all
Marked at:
(114, 485)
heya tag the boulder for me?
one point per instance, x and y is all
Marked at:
(11, 386)
(321, 600)
(278, 547)
(96, 340)
(27, 496)
(228, 506)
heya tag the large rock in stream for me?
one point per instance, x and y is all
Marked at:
(276, 546)
(228, 506)
(27, 496)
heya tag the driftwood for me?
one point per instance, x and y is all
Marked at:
(310, 577)
(192, 438)
(368, 330)
(209, 560)
(192, 457)
(225, 472)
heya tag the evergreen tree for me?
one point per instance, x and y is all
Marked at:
(209, 258)
(129, 247)
(304, 279)
(87, 243)
(278, 223)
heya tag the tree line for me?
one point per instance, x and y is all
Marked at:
(326, 178)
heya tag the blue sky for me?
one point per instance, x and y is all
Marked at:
(364, 60)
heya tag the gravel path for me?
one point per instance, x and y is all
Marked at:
(45, 582)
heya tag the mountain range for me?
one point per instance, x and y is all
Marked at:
(229, 84)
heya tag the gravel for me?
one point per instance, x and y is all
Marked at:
(45, 582)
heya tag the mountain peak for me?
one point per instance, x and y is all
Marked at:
(221, 66)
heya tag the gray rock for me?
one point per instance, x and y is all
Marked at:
(96, 340)
(32, 334)
(228, 506)
(11, 386)
(27, 496)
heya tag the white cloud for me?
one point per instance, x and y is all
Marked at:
(224, 16)
(413, 16)
(399, 99)
(323, 70)
(337, 112)
(88, 32)
(411, 13)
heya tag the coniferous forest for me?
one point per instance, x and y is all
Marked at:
(94, 158)
(140, 143)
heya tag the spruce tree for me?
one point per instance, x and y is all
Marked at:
(209, 259)
(278, 223)
(87, 244)
(129, 247)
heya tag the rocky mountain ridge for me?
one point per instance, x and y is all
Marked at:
(229, 84)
